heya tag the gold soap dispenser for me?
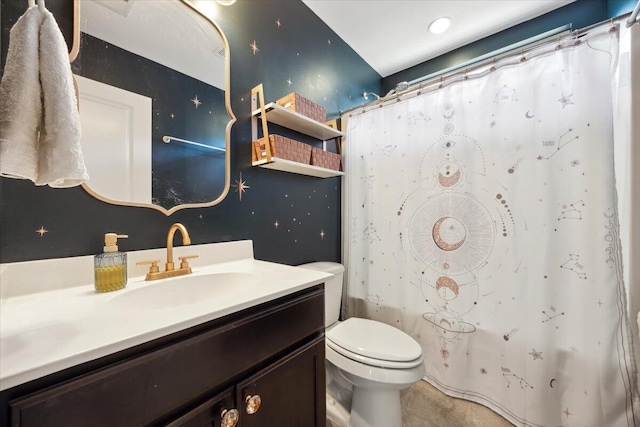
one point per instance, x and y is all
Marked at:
(110, 267)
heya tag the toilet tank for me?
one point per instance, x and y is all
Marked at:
(332, 289)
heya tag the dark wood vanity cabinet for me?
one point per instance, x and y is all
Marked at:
(274, 351)
(287, 389)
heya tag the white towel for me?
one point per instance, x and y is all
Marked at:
(20, 100)
(37, 94)
(60, 159)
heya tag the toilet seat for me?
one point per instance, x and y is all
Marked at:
(371, 361)
(374, 343)
(373, 377)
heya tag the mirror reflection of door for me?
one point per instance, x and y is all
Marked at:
(116, 140)
(150, 72)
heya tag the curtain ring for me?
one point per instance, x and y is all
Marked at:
(522, 57)
(441, 83)
(613, 27)
(465, 73)
(577, 34)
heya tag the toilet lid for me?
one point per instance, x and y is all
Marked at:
(369, 361)
(374, 340)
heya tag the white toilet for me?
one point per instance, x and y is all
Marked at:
(369, 362)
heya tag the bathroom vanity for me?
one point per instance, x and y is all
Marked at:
(260, 350)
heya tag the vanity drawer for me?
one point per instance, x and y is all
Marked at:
(146, 389)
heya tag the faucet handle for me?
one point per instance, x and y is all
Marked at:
(154, 265)
(183, 260)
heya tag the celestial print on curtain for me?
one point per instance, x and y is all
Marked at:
(482, 220)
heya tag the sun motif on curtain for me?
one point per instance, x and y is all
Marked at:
(448, 229)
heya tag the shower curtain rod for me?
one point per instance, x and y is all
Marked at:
(481, 61)
(529, 43)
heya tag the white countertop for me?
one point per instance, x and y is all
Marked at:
(48, 331)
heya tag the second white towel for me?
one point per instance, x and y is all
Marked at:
(60, 159)
(39, 119)
(20, 99)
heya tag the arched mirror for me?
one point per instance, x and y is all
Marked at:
(153, 81)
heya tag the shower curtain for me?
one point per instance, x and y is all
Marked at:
(482, 220)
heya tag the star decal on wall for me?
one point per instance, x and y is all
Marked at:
(566, 412)
(278, 23)
(565, 100)
(289, 81)
(536, 354)
(254, 47)
(196, 101)
(276, 224)
(322, 234)
(241, 186)
(41, 231)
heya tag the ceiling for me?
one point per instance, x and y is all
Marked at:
(392, 35)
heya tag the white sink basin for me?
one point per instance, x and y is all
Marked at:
(186, 290)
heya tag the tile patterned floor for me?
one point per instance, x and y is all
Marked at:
(425, 406)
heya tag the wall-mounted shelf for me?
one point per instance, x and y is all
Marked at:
(295, 167)
(296, 121)
(262, 155)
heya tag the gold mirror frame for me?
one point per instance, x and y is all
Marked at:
(75, 48)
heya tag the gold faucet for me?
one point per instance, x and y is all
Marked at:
(170, 270)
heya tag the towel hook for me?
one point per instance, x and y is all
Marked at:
(40, 4)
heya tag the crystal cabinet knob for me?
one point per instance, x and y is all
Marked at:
(253, 404)
(229, 418)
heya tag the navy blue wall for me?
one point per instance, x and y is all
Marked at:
(579, 14)
(619, 7)
(294, 46)
(302, 50)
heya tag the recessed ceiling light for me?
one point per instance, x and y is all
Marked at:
(440, 25)
(226, 2)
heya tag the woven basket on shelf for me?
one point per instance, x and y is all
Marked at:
(303, 106)
(283, 148)
(325, 159)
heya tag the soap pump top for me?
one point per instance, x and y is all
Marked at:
(111, 241)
